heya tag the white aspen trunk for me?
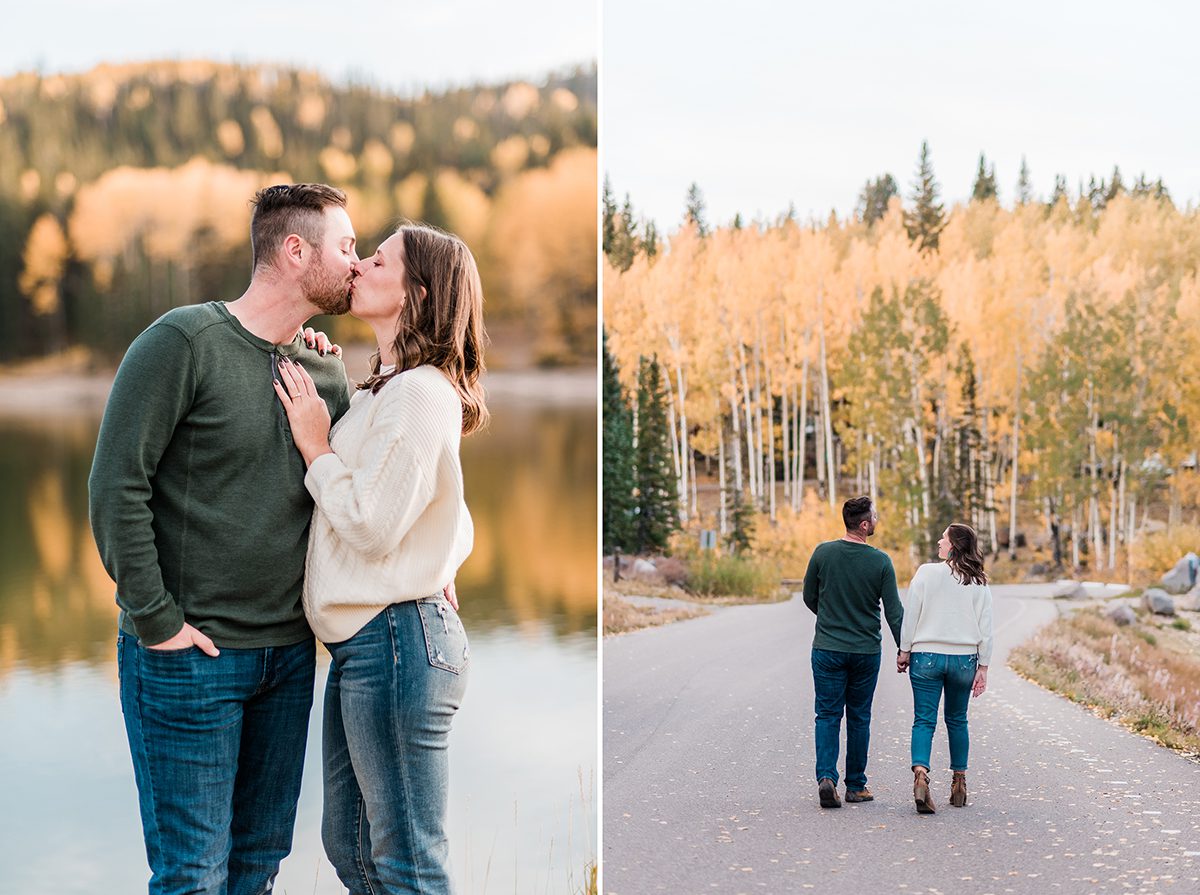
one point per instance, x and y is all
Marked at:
(989, 484)
(751, 475)
(675, 437)
(1119, 523)
(802, 428)
(1075, 522)
(736, 444)
(819, 433)
(1094, 501)
(721, 512)
(826, 415)
(769, 396)
(1112, 526)
(785, 429)
(919, 438)
(1016, 453)
(685, 458)
(759, 446)
(695, 501)
(1131, 534)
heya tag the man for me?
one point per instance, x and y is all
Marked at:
(844, 585)
(200, 512)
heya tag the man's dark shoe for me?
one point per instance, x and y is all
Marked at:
(859, 795)
(827, 790)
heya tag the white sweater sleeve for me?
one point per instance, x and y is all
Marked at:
(914, 599)
(372, 505)
(985, 626)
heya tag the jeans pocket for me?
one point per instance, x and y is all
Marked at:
(445, 636)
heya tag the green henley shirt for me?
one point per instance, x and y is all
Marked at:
(845, 583)
(197, 496)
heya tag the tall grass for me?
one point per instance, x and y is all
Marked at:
(1121, 671)
(714, 575)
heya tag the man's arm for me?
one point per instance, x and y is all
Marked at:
(892, 610)
(154, 388)
(812, 583)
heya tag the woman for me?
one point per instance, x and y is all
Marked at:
(946, 645)
(389, 531)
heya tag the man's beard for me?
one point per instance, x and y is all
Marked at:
(325, 291)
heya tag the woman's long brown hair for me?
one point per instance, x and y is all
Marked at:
(441, 322)
(965, 559)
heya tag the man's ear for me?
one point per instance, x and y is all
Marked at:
(294, 250)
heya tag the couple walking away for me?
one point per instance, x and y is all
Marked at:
(943, 632)
(236, 522)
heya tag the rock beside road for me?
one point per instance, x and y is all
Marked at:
(1123, 615)
(1182, 576)
(1158, 601)
(1069, 590)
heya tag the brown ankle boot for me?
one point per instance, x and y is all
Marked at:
(958, 789)
(921, 794)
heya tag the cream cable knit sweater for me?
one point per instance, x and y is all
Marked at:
(943, 616)
(390, 524)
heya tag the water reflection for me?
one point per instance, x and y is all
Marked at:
(531, 486)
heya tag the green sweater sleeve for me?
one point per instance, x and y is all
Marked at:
(153, 390)
(893, 610)
(812, 583)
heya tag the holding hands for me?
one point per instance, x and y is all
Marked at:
(980, 684)
(306, 410)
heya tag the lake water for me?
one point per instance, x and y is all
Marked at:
(523, 756)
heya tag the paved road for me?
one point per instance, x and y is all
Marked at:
(708, 777)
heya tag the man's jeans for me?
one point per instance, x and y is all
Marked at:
(392, 692)
(218, 748)
(930, 675)
(844, 684)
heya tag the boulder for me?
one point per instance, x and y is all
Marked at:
(1190, 602)
(1069, 590)
(643, 568)
(1182, 576)
(1123, 615)
(1158, 601)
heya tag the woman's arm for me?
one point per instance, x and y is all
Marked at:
(374, 503)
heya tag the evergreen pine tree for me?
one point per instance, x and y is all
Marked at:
(1115, 186)
(741, 521)
(694, 211)
(1024, 184)
(610, 219)
(657, 495)
(618, 472)
(985, 181)
(737, 221)
(649, 238)
(927, 218)
(874, 198)
(1059, 191)
(624, 239)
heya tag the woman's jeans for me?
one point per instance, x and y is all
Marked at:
(392, 692)
(218, 747)
(931, 674)
(844, 684)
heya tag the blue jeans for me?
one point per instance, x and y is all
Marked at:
(844, 685)
(392, 692)
(218, 748)
(931, 674)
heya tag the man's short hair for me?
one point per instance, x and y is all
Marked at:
(288, 208)
(855, 511)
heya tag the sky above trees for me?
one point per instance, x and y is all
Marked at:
(401, 46)
(764, 103)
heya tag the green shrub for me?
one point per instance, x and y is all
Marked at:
(1181, 624)
(711, 575)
